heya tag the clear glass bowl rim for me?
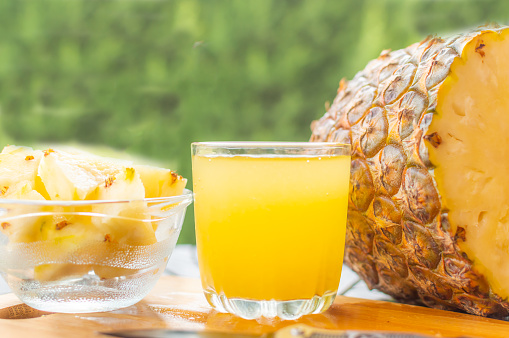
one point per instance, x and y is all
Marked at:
(185, 197)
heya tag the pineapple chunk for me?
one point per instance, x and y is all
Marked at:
(23, 191)
(160, 182)
(126, 185)
(67, 235)
(19, 164)
(122, 221)
(24, 229)
(53, 272)
(65, 243)
(73, 176)
(68, 232)
(76, 175)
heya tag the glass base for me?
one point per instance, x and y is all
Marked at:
(284, 309)
(87, 293)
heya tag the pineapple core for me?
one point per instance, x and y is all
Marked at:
(472, 154)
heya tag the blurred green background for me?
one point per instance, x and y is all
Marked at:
(149, 77)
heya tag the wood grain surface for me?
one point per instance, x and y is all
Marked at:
(178, 303)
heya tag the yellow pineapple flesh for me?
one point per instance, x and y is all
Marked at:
(74, 176)
(160, 182)
(472, 120)
(20, 164)
(95, 230)
(428, 219)
(21, 229)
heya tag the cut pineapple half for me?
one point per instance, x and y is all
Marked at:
(428, 212)
(472, 169)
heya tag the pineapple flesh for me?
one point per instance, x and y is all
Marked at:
(23, 230)
(74, 176)
(160, 182)
(102, 229)
(428, 212)
(19, 164)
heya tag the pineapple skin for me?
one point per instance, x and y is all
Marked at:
(399, 238)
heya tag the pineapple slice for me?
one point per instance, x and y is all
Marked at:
(124, 221)
(125, 185)
(160, 182)
(24, 229)
(23, 190)
(19, 164)
(67, 235)
(58, 271)
(74, 176)
(33, 229)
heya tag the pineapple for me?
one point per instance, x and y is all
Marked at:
(19, 180)
(18, 228)
(428, 213)
(74, 176)
(67, 235)
(160, 182)
(77, 175)
(124, 221)
(19, 164)
(74, 231)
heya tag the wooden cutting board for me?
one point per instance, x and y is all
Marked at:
(178, 303)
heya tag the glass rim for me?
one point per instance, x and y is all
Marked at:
(185, 197)
(270, 144)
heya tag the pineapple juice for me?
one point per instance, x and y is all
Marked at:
(270, 228)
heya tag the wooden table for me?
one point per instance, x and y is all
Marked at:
(178, 303)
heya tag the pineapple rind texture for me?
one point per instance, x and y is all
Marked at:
(400, 237)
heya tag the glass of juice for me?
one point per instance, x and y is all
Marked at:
(270, 225)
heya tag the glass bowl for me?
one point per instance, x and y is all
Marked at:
(87, 256)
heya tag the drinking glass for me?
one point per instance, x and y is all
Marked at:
(270, 225)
